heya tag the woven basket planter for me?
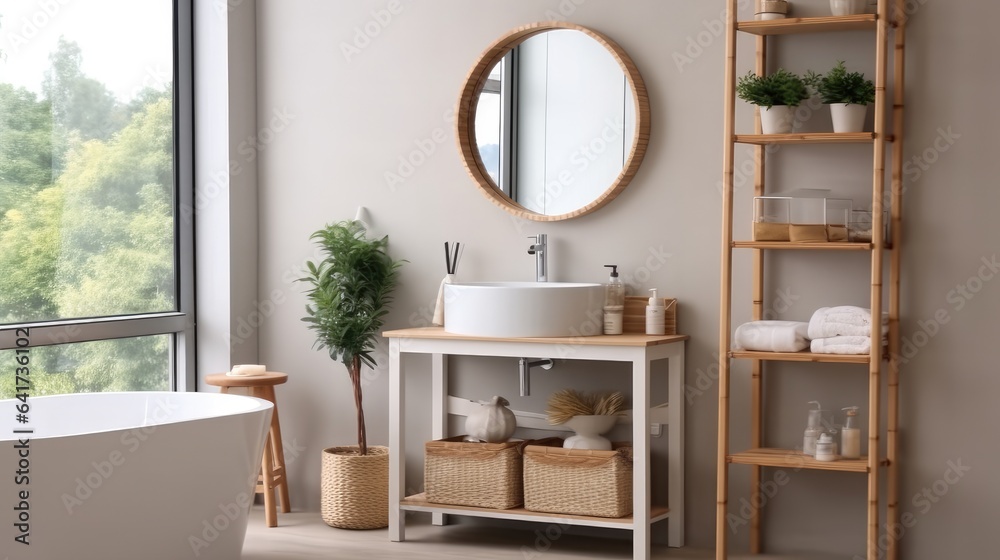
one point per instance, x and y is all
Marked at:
(578, 481)
(355, 488)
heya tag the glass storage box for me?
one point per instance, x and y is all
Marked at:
(860, 227)
(803, 216)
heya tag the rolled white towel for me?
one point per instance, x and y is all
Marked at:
(841, 345)
(844, 320)
(772, 336)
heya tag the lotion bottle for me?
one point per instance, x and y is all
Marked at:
(850, 436)
(614, 302)
(655, 315)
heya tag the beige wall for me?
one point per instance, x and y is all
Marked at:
(345, 121)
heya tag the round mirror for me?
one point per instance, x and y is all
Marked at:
(553, 121)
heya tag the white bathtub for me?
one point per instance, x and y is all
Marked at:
(129, 476)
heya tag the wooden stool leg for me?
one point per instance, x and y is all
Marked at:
(267, 468)
(279, 453)
(270, 514)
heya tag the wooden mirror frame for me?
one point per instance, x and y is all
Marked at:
(466, 119)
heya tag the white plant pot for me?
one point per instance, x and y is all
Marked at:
(848, 7)
(777, 119)
(848, 117)
(588, 430)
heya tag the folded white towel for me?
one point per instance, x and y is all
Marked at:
(841, 345)
(771, 336)
(844, 320)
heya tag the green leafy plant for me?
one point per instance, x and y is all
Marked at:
(840, 86)
(350, 293)
(780, 88)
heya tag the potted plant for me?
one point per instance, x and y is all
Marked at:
(350, 290)
(776, 95)
(847, 93)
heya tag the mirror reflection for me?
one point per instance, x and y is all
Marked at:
(555, 122)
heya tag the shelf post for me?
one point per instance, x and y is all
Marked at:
(439, 412)
(397, 457)
(675, 443)
(757, 314)
(896, 233)
(641, 476)
(725, 296)
(878, 240)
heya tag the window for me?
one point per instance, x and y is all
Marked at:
(95, 163)
(495, 123)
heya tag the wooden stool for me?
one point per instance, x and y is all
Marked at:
(273, 463)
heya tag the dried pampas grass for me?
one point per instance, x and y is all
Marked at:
(567, 403)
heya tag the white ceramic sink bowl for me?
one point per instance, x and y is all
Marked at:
(523, 309)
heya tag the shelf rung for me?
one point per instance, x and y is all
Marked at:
(787, 26)
(418, 502)
(790, 458)
(807, 138)
(801, 357)
(790, 245)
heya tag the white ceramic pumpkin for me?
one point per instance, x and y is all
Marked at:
(493, 422)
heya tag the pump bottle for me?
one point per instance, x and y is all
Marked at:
(655, 315)
(614, 302)
(850, 436)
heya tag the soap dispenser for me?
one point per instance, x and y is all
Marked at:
(814, 429)
(850, 436)
(655, 315)
(614, 302)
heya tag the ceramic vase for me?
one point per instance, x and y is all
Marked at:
(588, 430)
(492, 422)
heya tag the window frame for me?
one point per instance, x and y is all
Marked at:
(178, 323)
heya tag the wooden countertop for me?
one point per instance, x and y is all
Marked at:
(438, 333)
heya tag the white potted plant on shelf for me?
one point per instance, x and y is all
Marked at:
(348, 300)
(777, 95)
(848, 95)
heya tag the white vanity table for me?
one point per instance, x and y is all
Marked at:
(639, 350)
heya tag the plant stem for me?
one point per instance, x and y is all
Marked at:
(356, 382)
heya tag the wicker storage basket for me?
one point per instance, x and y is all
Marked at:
(486, 475)
(578, 481)
(355, 487)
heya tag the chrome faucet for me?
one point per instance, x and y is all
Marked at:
(540, 248)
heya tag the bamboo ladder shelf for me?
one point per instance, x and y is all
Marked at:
(890, 16)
